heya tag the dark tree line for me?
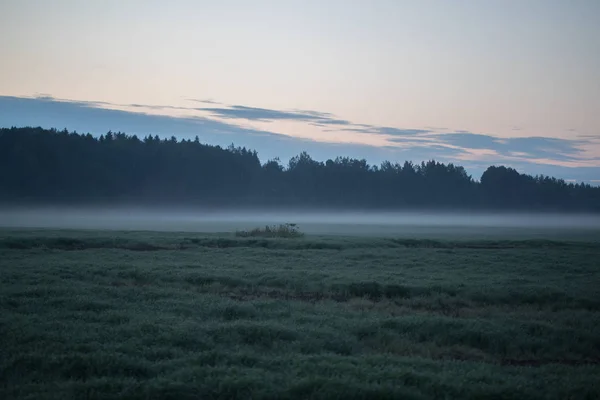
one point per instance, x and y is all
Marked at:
(61, 167)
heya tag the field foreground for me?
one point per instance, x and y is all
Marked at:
(148, 315)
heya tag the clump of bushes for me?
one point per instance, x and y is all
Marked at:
(274, 231)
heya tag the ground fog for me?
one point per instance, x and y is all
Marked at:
(311, 222)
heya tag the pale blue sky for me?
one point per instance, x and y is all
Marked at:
(404, 79)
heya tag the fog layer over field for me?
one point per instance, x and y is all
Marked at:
(343, 223)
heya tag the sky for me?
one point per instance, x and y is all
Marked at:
(476, 83)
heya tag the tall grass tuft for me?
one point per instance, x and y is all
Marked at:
(274, 231)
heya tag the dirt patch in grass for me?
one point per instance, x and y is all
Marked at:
(392, 307)
(541, 363)
(487, 244)
(309, 297)
(130, 283)
(266, 243)
(73, 244)
(276, 241)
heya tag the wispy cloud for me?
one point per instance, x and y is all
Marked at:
(148, 106)
(469, 140)
(265, 114)
(90, 116)
(205, 101)
(315, 118)
(531, 147)
(264, 130)
(462, 144)
(386, 130)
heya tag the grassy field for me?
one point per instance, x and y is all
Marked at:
(150, 315)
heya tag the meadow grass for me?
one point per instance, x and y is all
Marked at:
(151, 315)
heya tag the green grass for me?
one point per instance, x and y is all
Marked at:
(148, 315)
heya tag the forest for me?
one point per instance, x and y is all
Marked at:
(52, 167)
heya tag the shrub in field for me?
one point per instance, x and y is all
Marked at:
(276, 231)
